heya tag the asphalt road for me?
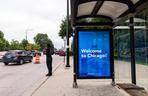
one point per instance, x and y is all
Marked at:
(16, 79)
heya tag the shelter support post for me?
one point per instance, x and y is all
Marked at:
(75, 85)
(112, 59)
(132, 49)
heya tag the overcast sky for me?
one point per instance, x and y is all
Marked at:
(36, 16)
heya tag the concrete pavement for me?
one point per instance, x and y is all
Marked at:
(60, 84)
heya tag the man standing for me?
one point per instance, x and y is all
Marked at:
(49, 59)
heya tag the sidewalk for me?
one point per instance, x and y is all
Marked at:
(60, 84)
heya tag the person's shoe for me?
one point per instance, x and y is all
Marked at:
(48, 74)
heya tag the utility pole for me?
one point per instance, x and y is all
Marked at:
(67, 35)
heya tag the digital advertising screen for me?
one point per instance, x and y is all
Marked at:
(94, 54)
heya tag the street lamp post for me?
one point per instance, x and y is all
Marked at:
(27, 32)
(64, 47)
(67, 35)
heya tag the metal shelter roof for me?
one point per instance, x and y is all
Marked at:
(111, 9)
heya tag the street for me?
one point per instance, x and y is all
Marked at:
(16, 79)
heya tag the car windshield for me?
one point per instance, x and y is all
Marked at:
(11, 53)
(8, 53)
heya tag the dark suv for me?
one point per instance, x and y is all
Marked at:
(17, 57)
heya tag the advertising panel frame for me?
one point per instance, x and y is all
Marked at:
(76, 64)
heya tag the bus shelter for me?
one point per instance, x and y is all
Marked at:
(110, 13)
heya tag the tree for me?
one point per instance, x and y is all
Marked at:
(31, 46)
(63, 28)
(42, 40)
(1, 44)
(24, 43)
(1, 34)
(36, 47)
(15, 45)
(4, 44)
(1, 40)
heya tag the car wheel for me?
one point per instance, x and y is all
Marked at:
(21, 61)
(5, 63)
(30, 60)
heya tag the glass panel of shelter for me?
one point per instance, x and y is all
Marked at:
(141, 50)
(122, 51)
(122, 54)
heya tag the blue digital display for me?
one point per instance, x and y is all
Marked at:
(94, 53)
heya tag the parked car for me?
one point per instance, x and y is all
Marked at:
(1, 55)
(34, 52)
(19, 57)
(56, 52)
(61, 53)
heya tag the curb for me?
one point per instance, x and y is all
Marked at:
(37, 85)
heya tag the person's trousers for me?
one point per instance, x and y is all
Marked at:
(49, 65)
